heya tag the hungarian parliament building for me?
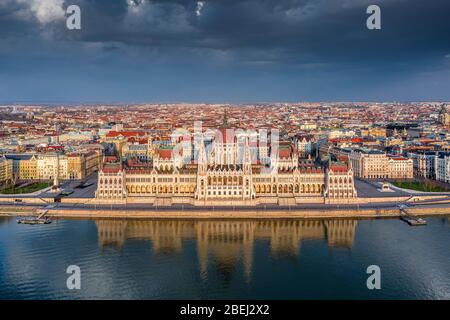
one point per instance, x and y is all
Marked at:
(223, 168)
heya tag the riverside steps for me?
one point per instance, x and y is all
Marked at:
(409, 218)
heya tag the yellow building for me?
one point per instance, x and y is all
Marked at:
(374, 132)
(92, 160)
(76, 166)
(6, 171)
(28, 169)
(82, 164)
(24, 166)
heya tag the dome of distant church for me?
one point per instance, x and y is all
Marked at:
(444, 116)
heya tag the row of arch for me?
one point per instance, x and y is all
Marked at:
(111, 181)
(314, 188)
(259, 188)
(225, 180)
(161, 189)
(341, 180)
(341, 193)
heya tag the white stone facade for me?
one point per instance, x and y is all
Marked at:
(222, 176)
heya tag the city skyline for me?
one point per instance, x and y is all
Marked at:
(218, 103)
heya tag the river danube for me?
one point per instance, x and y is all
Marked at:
(229, 259)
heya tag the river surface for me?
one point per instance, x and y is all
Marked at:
(225, 259)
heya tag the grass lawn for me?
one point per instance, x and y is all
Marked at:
(419, 186)
(27, 189)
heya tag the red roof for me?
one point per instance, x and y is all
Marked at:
(165, 153)
(224, 135)
(110, 159)
(427, 140)
(139, 171)
(56, 147)
(138, 140)
(127, 134)
(353, 140)
(338, 168)
(305, 168)
(111, 169)
(284, 153)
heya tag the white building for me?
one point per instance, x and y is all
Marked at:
(369, 164)
(442, 167)
(47, 165)
(226, 173)
(400, 168)
(424, 164)
(304, 148)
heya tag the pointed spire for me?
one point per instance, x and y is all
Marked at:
(247, 155)
(225, 119)
(202, 160)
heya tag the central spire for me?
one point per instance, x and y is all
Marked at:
(225, 119)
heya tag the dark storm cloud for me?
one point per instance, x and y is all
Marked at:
(310, 27)
(321, 39)
(309, 30)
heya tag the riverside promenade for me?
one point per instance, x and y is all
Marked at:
(313, 211)
(371, 203)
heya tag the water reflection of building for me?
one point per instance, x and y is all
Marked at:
(340, 233)
(227, 242)
(5, 220)
(166, 236)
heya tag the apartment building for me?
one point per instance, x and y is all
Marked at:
(28, 168)
(375, 164)
(304, 147)
(400, 168)
(48, 164)
(369, 164)
(6, 170)
(424, 164)
(442, 167)
(82, 164)
(24, 166)
(135, 150)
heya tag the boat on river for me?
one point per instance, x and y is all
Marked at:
(34, 220)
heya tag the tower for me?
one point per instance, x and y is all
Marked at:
(201, 171)
(225, 119)
(202, 160)
(55, 187)
(150, 148)
(248, 192)
(247, 158)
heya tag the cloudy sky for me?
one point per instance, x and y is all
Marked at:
(224, 51)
